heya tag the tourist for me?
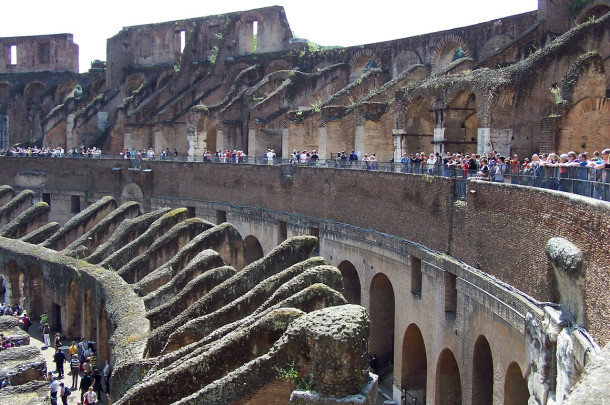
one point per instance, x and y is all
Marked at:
(54, 387)
(59, 359)
(107, 371)
(57, 341)
(46, 333)
(43, 319)
(97, 382)
(63, 393)
(270, 156)
(87, 366)
(373, 364)
(353, 158)
(85, 384)
(90, 397)
(6, 382)
(74, 369)
(73, 349)
(27, 322)
(313, 160)
(500, 169)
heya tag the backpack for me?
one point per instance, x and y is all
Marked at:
(67, 391)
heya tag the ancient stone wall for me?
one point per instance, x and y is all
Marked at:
(38, 53)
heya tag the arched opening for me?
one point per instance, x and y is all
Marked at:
(449, 52)
(382, 323)
(482, 373)
(254, 250)
(586, 125)
(134, 83)
(360, 66)
(515, 386)
(462, 124)
(403, 61)
(3, 289)
(351, 282)
(448, 383)
(592, 12)
(419, 124)
(33, 95)
(414, 373)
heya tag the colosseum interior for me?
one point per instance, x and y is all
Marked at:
(217, 283)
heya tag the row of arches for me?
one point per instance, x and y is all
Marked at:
(416, 358)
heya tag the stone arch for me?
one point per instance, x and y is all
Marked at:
(594, 9)
(254, 250)
(164, 78)
(133, 83)
(448, 383)
(461, 119)
(199, 74)
(445, 52)
(414, 372)
(321, 66)
(74, 316)
(34, 90)
(482, 373)
(585, 126)
(359, 62)
(5, 92)
(4, 287)
(277, 65)
(351, 282)
(515, 386)
(417, 120)
(381, 310)
(404, 60)
(236, 70)
(132, 191)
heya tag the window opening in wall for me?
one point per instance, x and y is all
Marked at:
(45, 53)
(416, 276)
(182, 40)
(282, 232)
(13, 54)
(46, 197)
(75, 204)
(313, 231)
(450, 291)
(254, 36)
(221, 217)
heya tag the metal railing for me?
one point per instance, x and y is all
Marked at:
(586, 181)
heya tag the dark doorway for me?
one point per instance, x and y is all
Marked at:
(57, 317)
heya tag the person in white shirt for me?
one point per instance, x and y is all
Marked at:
(90, 397)
(54, 389)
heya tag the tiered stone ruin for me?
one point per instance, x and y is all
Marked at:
(171, 298)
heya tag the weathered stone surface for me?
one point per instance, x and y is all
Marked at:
(254, 301)
(89, 241)
(9, 326)
(568, 264)
(41, 234)
(29, 220)
(16, 206)
(80, 224)
(163, 249)
(593, 385)
(22, 364)
(32, 393)
(6, 194)
(289, 252)
(129, 230)
(139, 245)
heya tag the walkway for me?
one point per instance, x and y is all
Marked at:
(36, 340)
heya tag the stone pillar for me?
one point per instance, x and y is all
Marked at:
(128, 138)
(439, 131)
(359, 141)
(483, 141)
(252, 139)
(399, 138)
(190, 135)
(158, 140)
(285, 138)
(220, 140)
(322, 142)
(70, 140)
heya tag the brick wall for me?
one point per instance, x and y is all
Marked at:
(501, 229)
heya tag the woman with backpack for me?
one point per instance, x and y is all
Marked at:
(64, 392)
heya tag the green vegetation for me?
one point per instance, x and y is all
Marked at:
(291, 375)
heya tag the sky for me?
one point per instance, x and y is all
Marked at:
(326, 22)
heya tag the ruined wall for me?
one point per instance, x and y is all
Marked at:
(39, 53)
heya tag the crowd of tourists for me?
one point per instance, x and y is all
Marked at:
(81, 360)
(59, 151)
